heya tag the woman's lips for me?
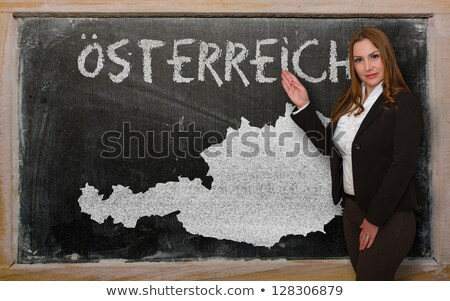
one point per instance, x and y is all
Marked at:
(371, 75)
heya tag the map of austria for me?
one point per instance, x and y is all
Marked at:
(263, 188)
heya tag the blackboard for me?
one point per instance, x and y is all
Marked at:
(122, 121)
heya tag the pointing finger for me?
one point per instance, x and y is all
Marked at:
(286, 87)
(293, 78)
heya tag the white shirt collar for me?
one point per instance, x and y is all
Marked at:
(376, 92)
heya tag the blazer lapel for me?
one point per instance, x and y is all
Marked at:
(374, 111)
(330, 132)
(331, 128)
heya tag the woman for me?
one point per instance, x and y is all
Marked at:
(372, 139)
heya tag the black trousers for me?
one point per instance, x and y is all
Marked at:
(391, 245)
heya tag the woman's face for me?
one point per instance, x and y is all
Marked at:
(368, 64)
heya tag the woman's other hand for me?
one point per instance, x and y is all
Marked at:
(367, 236)
(295, 90)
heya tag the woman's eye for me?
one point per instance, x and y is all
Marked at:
(357, 60)
(375, 56)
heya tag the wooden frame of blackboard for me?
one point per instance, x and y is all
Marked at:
(438, 43)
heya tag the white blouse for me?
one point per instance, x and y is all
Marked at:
(345, 133)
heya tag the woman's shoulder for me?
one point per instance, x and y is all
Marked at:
(406, 96)
(408, 101)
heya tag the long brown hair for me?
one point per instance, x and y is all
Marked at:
(393, 82)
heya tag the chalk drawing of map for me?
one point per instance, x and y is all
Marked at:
(256, 196)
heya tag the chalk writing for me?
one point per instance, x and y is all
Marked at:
(209, 55)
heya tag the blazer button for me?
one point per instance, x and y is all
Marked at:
(357, 146)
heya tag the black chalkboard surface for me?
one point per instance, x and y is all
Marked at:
(121, 121)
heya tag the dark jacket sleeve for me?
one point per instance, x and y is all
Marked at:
(320, 136)
(407, 134)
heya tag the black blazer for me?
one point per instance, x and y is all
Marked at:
(384, 154)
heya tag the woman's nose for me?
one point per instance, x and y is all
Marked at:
(367, 65)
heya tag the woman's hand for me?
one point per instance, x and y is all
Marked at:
(294, 89)
(367, 236)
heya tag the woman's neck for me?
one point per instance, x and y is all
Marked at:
(367, 93)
